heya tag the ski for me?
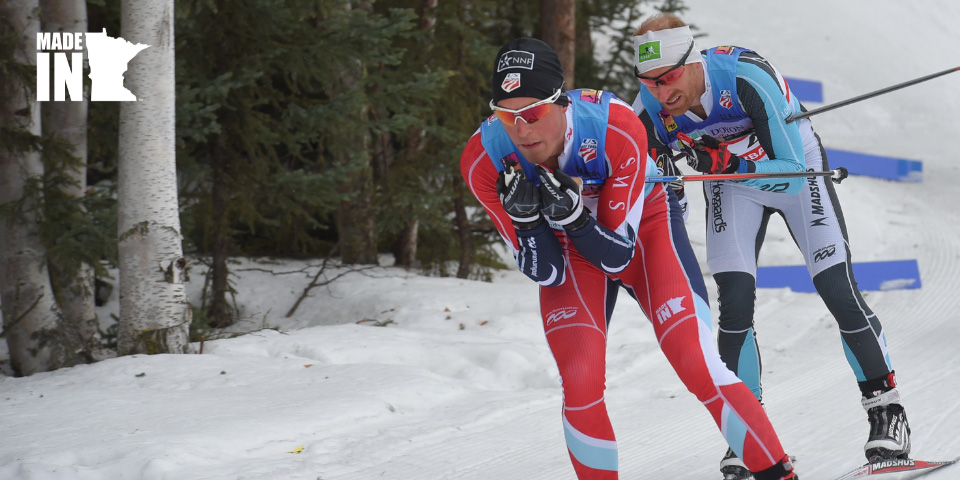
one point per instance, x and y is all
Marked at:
(900, 469)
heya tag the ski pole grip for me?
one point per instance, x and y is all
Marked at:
(840, 173)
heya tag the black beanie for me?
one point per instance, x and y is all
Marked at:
(527, 67)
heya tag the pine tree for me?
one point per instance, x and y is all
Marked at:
(611, 68)
(419, 176)
(274, 140)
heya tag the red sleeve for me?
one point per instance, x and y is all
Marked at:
(621, 199)
(481, 178)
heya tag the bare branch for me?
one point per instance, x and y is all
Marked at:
(315, 282)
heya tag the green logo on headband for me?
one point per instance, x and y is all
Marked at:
(648, 51)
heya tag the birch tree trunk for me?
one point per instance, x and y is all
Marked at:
(68, 122)
(154, 314)
(32, 321)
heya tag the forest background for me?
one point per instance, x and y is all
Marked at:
(320, 129)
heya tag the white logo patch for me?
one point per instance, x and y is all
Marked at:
(107, 57)
(561, 314)
(515, 59)
(669, 309)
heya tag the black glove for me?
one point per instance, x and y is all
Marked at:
(520, 198)
(561, 199)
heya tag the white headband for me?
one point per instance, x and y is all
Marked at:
(664, 48)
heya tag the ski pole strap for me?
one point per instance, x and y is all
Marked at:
(837, 175)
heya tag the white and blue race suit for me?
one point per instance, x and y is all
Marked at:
(747, 102)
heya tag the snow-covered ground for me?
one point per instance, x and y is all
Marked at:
(385, 374)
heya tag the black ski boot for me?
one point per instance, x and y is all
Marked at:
(889, 433)
(783, 470)
(733, 468)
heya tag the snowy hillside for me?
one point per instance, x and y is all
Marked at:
(384, 374)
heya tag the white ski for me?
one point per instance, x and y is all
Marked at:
(895, 469)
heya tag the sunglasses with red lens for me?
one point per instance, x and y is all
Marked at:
(668, 77)
(530, 114)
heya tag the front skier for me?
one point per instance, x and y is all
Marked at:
(561, 175)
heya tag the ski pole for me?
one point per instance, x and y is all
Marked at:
(827, 108)
(837, 175)
(843, 103)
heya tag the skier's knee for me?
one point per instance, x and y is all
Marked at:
(582, 383)
(838, 290)
(736, 298)
(695, 375)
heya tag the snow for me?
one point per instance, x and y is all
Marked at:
(456, 382)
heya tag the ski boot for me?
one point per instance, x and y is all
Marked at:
(733, 468)
(783, 470)
(889, 432)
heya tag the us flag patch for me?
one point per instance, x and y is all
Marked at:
(726, 99)
(511, 82)
(588, 149)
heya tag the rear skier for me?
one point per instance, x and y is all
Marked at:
(691, 100)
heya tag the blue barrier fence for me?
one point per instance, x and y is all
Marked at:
(879, 166)
(806, 90)
(883, 275)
